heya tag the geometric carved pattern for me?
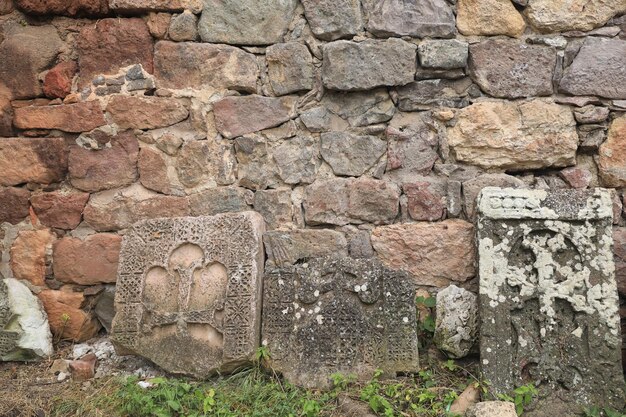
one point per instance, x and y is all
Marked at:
(187, 292)
(343, 315)
(548, 297)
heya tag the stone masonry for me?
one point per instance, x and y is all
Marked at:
(356, 128)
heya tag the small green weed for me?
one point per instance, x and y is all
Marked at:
(521, 396)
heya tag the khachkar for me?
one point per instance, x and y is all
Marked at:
(548, 297)
(189, 292)
(350, 316)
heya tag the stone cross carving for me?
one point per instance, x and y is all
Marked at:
(548, 297)
(188, 292)
(344, 315)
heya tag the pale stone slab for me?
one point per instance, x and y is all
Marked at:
(24, 330)
(345, 315)
(189, 292)
(548, 297)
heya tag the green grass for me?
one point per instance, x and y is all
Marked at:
(261, 393)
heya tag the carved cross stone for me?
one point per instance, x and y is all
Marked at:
(188, 292)
(548, 297)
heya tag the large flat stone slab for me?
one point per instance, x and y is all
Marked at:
(246, 22)
(351, 66)
(548, 297)
(24, 330)
(345, 315)
(599, 69)
(418, 19)
(515, 135)
(189, 292)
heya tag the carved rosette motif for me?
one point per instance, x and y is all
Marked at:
(343, 315)
(188, 292)
(548, 297)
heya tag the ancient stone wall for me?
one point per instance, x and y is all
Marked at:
(362, 128)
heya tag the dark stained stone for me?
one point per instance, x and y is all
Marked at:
(339, 315)
(599, 69)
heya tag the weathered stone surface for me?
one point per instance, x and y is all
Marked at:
(220, 200)
(275, 206)
(576, 177)
(206, 162)
(434, 253)
(105, 307)
(6, 7)
(28, 255)
(361, 66)
(13, 204)
(75, 118)
(112, 44)
(591, 114)
(341, 201)
(360, 108)
(158, 25)
(547, 284)
(619, 239)
(255, 166)
(297, 159)
(515, 136)
(412, 145)
(6, 112)
(428, 94)
(25, 334)
(67, 319)
(331, 20)
(90, 261)
(196, 65)
(59, 209)
(612, 156)
(184, 27)
(472, 188)
(58, 81)
(63, 7)
(349, 154)
(443, 54)
(118, 209)
(137, 112)
(286, 247)
(25, 52)
(599, 69)
(511, 69)
(111, 167)
(329, 315)
(42, 161)
(156, 5)
(489, 17)
(551, 16)
(188, 293)
(492, 409)
(236, 116)
(426, 200)
(457, 321)
(429, 18)
(154, 173)
(247, 22)
(290, 68)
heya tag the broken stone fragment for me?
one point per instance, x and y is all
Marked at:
(24, 330)
(456, 327)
